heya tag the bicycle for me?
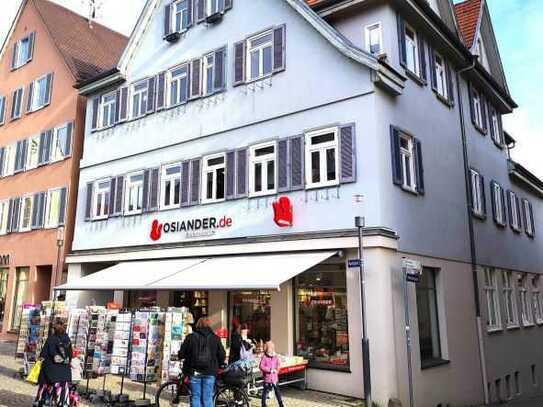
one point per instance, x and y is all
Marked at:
(174, 392)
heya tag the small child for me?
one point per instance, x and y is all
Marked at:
(269, 366)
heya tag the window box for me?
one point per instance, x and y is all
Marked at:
(173, 37)
(214, 18)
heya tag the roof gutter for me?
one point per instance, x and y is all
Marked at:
(104, 80)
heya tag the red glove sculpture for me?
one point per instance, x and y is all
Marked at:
(282, 212)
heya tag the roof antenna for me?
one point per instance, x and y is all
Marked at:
(94, 6)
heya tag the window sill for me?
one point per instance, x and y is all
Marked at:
(99, 219)
(444, 100)
(498, 144)
(500, 225)
(428, 364)
(530, 235)
(513, 327)
(260, 78)
(262, 195)
(494, 330)
(136, 213)
(479, 216)
(415, 77)
(37, 109)
(480, 129)
(528, 324)
(214, 201)
(319, 186)
(412, 191)
(516, 230)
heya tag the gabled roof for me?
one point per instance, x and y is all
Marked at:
(88, 50)
(468, 14)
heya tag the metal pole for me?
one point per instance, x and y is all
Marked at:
(408, 337)
(359, 223)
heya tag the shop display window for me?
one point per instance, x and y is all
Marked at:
(253, 308)
(142, 299)
(19, 297)
(195, 301)
(322, 335)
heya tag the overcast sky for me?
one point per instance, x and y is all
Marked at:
(518, 25)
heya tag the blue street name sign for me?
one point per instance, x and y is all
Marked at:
(352, 263)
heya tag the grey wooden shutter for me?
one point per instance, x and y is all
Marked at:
(195, 175)
(62, 211)
(401, 40)
(146, 190)
(29, 94)
(117, 105)
(43, 146)
(483, 112)
(450, 83)
(24, 153)
(347, 153)
(195, 78)
(154, 185)
(2, 149)
(510, 207)
(151, 94)
(2, 110)
(167, 19)
(419, 167)
(47, 146)
(161, 91)
(504, 206)
(433, 77)
(228, 4)
(493, 201)
(41, 209)
(119, 190)
(123, 108)
(31, 41)
(16, 212)
(483, 193)
(112, 191)
(10, 215)
(48, 89)
(532, 220)
(283, 184)
(69, 137)
(95, 107)
(200, 10)
(190, 12)
(230, 175)
(18, 156)
(88, 205)
(471, 105)
(239, 63)
(219, 70)
(14, 55)
(296, 150)
(279, 48)
(422, 56)
(242, 174)
(35, 210)
(185, 183)
(397, 173)
(519, 212)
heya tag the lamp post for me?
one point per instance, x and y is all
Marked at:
(359, 222)
(60, 243)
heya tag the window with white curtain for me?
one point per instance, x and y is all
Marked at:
(412, 50)
(525, 303)
(260, 55)
(170, 191)
(100, 201)
(491, 294)
(510, 302)
(213, 178)
(321, 158)
(262, 171)
(134, 193)
(26, 214)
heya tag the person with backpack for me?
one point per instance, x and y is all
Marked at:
(54, 382)
(202, 354)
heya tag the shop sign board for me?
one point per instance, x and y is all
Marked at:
(352, 263)
(4, 259)
(412, 269)
(199, 227)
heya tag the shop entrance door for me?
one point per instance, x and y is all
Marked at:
(254, 309)
(4, 272)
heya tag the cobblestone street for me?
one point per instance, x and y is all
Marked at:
(16, 392)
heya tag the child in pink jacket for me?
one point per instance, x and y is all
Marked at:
(269, 366)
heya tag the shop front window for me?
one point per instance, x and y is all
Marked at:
(21, 283)
(322, 335)
(253, 308)
(195, 301)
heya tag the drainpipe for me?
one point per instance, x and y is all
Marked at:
(473, 249)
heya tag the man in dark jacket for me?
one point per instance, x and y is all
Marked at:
(202, 354)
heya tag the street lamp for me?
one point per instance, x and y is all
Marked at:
(359, 222)
(60, 243)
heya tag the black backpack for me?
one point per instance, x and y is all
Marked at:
(202, 358)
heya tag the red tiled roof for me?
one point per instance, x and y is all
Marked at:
(88, 50)
(467, 16)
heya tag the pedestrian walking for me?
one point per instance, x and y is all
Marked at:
(269, 366)
(54, 382)
(202, 354)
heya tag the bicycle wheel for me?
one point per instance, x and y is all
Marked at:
(172, 394)
(231, 397)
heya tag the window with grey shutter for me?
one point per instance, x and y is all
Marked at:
(18, 157)
(195, 173)
(69, 137)
(422, 56)
(230, 175)
(62, 210)
(48, 89)
(2, 149)
(35, 208)
(347, 153)
(200, 10)
(219, 70)
(95, 107)
(471, 105)
(531, 218)
(241, 173)
(397, 175)
(119, 190)
(10, 216)
(154, 184)
(228, 4)
(484, 112)
(433, 77)
(195, 78)
(450, 83)
(279, 48)
(185, 183)
(401, 40)
(419, 167)
(29, 95)
(14, 55)
(161, 91)
(112, 198)
(16, 213)
(16, 104)
(146, 190)
(239, 63)
(46, 139)
(31, 41)
(282, 166)
(88, 202)
(151, 95)
(493, 201)
(117, 106)
(38, 210)
(296, 149)
(483, 193)
(2, 110)
(123, 106)
(167, 19)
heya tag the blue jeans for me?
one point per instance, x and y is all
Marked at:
(202, 389)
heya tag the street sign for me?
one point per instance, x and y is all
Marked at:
(352, 263)
(413, 270)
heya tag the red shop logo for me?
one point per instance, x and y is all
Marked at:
(156, 230)
(282, 212)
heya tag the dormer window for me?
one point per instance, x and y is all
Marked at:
(22, 51)
(374, 39)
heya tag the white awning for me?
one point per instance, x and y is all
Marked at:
(249, 272)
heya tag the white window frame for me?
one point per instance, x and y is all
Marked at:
(32, 159)
(21, 107)
(138, 186)
(111, 106)
(260, 48)
(4, 209)
(209, 6)
(495, 123)
(143, 94)
(515, 217)
(26, 199)
(3, 110)
(477, 107)
(100, 195)
(177, 79)
(52, 223)
(497, 192)
(55, 155)
(442, 85)
(38, 93)
(537, 304)
(183, 12)
(510, 300)
(263, 160)
(407, 161)
(412, 48)
(322, 148)
(476, 193)
(492, 303)
(208, 69)
(528, 227)
(213, 169)
(368, 30)
(22, 59)
(166, 178)
(526, 313)
(10, 152)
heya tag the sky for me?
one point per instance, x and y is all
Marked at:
(518, 25)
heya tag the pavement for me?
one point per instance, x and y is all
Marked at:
(16, 392)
